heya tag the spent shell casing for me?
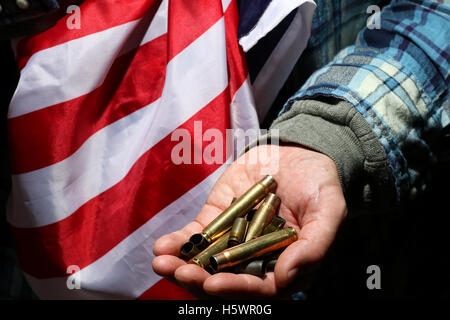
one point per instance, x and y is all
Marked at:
(263, 216)
(253, 248)
(199, 241)
(277, 223)
(238, 208)
(202, 259)
(237, 232)
(189, 250)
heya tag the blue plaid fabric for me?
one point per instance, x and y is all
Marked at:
(335, 26)
(397, 77)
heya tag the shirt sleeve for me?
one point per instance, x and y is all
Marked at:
(379, 108)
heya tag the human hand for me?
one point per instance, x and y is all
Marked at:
(312, 202)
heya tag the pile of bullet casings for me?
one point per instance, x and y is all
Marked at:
(243, 239)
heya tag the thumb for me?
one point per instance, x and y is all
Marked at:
(314, 239)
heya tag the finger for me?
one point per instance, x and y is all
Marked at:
(191, 276)
(230, 285)
(166, 265)
(314, 238)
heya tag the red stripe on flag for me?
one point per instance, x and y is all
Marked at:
(96, 16)
(166, 290)
(135, 80)
(187, 21)
(237, 65)
(49, 132)
(104, 221)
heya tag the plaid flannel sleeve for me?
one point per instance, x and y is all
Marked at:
(397, 77)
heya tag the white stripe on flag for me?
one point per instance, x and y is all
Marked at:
(242, 110)
(53, 75)
(158, 26)
(225, 4)
(194, 78)
(126, 270)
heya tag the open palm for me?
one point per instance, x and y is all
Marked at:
(312, 202)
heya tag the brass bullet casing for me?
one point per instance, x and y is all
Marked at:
(202, 258)
(253, 248)
(238, 208)
(188, 250)
(263, 216)
(277, 223)
(237, 232)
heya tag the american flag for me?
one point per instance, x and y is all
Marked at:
(90, 129)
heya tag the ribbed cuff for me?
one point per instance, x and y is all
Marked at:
(336, 141)
(337, 130)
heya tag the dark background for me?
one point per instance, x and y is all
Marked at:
(12, 282)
